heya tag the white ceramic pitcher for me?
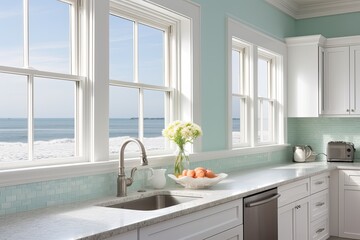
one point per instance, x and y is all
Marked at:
(157, 179)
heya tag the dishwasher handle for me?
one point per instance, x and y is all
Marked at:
(254, 204)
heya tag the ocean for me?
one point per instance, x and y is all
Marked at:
(15, 129)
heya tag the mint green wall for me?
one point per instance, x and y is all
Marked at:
(330, 26)
(256, 13)
(317, 132)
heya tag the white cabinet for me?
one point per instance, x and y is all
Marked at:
(341, 88)
(293, 220)
(220, 222)
(305, 55)
(336, 84)
(304, 209)
(349, 207)
(355, 80)
(235, 233)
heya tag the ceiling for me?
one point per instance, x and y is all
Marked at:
(300, 9)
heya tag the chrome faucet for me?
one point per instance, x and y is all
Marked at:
(122, 181)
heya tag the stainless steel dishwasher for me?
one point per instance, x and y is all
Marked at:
(260, 216)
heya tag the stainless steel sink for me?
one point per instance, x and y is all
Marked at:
(154, 202)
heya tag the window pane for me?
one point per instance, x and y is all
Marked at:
(121, 49)
(49, 35)
(154, 120)
(123, 117)
(54, 106)
(151, 55)
(265, 121)
(235, 71)
(13, 118)
(11, 32)
(238, 120)
(236, 135)
(263, 73)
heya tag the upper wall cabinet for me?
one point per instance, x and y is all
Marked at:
(323, 76)
(336, 83)
(305, 56)
(341, 90)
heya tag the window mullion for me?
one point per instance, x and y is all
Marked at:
(31, 117)
(141, 114)
(136, 52)
(26, 32)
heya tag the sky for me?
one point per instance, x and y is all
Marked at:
(49, 35)
(49, 50)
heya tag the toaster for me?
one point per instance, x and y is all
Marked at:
(339, 151)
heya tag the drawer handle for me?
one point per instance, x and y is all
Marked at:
(319, 182)
(319, 204)
(254, 204)
(320, 230)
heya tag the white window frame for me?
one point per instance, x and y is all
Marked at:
(172, 103)
(32, 73)
(276, 51)
(271, 95)
(244, 92)
(182, 103)
(94, 17)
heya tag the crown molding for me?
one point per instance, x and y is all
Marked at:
(316, 9)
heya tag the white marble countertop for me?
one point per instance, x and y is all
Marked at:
(87, 220)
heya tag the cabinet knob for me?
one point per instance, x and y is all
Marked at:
(352, 110)
(319, 182)
(347, 110)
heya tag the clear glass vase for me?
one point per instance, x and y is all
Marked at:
(181, 161)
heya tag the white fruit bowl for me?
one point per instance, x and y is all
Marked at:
(198, 183)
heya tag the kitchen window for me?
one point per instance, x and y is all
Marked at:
(240, 93)
(266, 100)
(39, 82)
(256, 88)
(149, 81)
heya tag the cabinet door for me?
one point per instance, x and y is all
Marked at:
(336, 81)
(349, 207)
(198, 225)
(355, 80)
(286, 222)
(293, 221)
(302, 219)
(235, 233)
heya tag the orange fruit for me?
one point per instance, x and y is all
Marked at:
(210, 174)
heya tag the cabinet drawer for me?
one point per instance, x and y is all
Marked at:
(293, 191)
(199, 225)
(351, 178)
(319, 229)
(319, 182)
(319, 205)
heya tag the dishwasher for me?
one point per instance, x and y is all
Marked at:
(261, 216)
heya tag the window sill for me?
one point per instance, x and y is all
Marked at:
(47, 173)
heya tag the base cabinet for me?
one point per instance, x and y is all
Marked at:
(220, 222)
(293, 220)
(303, 211)
(235, 233)
(349, 207)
